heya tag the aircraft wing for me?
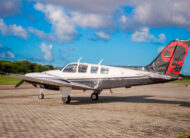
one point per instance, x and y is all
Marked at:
(48, 81)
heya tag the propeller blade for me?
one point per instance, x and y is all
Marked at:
(21, 82)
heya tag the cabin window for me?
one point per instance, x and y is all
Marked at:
(94, 69)
(70, 68)
(82, 68)
(104, 70)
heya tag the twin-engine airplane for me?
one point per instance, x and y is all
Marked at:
(82, 76)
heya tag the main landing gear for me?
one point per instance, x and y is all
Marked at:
(66, 100)
(65, 92)
(95, 95)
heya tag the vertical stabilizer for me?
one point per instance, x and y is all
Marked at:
(170, 60)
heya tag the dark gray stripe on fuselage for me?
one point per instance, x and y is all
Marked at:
(107, 83)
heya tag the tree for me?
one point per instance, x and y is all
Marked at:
(22, 67)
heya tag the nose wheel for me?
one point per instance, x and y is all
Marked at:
(41, 95)
(94, 96)
(66, 100)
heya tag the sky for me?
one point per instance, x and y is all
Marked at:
(121, 32)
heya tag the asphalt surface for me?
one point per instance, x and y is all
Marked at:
(161, 110)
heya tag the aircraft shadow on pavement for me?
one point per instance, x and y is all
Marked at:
(108, 99)
(129, 99)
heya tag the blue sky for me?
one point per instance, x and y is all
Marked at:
(56, 32)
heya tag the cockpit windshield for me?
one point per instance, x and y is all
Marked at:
(70, 68)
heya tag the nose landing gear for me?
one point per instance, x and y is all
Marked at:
(41, 95)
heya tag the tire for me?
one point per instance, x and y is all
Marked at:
(41, 96)
(66, 100)
(94, 96)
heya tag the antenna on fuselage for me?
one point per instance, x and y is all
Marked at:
(100, 61)
(79, 60)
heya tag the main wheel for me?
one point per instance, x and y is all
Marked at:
(94, 96)
(66, 100)
(41, 96)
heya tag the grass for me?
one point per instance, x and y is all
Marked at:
(5, 80)
(185, 135)
(186, 80)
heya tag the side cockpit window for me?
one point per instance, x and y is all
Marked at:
(70, 68)
(94, 69)
(104, 71)
(82, 68)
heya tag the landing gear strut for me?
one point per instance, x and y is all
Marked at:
(41, 96)
(65, 91)
(66, 100)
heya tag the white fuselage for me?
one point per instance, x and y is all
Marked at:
(113, 72)
(101, 77)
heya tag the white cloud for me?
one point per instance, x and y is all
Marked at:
(18, 31)
(10, 54)
(150, 13)
(91, 20)
(90, 6)
(64, 22)
(13, 29)
(9, 7)
(47, 50)
(144, 36)
(102, 36)
(162, 13)
(99, 36)
(41, 34)
(6, 52)
(3, 27)
(123, 21)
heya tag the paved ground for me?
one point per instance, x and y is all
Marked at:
(161, 110)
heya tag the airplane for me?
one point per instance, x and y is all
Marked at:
(96, 77)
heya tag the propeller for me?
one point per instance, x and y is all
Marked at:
(21, 82)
